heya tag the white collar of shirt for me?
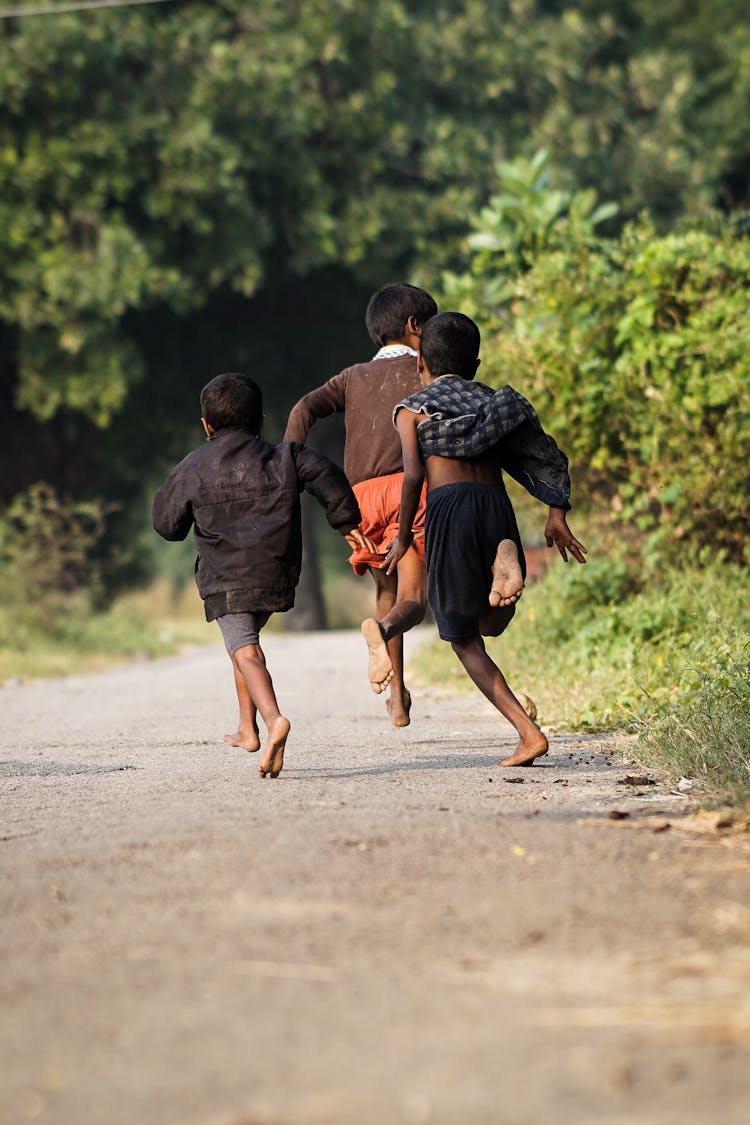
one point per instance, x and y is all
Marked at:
(393, 351)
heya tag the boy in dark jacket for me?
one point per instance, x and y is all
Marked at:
(240, 494)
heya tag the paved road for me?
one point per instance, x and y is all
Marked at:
(395, 930)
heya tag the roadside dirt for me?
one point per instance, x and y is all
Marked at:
(395, 930)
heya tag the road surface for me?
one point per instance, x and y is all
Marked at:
(395, 930)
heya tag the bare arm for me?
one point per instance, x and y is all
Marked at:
(558, 534)
(406, 424)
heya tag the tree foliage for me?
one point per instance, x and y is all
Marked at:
(150, 157)
(194, 186)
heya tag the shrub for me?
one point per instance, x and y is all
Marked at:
(46, 563)
(635, 353)
(704, 731)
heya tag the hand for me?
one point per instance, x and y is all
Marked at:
(359, 542)
(396, 552)
(557, 533)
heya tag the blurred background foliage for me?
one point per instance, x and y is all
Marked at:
(190, 187)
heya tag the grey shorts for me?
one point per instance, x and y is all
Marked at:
(240, 629)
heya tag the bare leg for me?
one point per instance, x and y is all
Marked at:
(246, 736)
(507, 579)
(495, 622)
(400, 605)
(252, 666)
(408, 611)
(380, 666)
(381, 670)
(491, 682)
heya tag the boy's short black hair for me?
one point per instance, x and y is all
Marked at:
(233, 400)
(390, 308)
(450, 345)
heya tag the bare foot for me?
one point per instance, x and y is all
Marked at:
(246, 738)
(507, 580)
(380, 671)
(399, 709)
(273, 759)
(527, 751)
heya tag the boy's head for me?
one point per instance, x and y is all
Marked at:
(391, 310)
(449, 346)
(232, 401)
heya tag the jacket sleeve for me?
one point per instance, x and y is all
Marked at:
(172, 514)
(534, 459)
(325, 400)
(325, 481)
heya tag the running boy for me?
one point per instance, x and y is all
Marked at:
(240, 495)
(461, 434)
(366, 394)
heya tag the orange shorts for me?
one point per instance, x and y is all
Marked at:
(379, 500)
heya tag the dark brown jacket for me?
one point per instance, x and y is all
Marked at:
(366, 395)
(240, 494)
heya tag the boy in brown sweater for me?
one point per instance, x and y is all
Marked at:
(366, 394)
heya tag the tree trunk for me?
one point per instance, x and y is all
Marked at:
(309, 611)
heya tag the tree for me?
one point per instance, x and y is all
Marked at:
(167, 172)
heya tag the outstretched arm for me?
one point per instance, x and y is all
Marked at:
(558, 534)
(325, 400)
(406, 424)
(172, 513)
(324, 480)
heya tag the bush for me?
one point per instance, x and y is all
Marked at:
(635, 353)
(47, 564)
(704, 732)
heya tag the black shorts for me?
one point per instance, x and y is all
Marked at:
(464, 524)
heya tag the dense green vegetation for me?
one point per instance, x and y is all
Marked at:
(193, 187)
(634, 351)
(169, 173)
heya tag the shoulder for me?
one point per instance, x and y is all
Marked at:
(192, 459)
(387, 369)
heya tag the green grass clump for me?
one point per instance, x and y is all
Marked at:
(703, 730)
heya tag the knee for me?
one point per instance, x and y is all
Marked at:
(417, 609)
(496, 621)
(249, 654)
(462, 649)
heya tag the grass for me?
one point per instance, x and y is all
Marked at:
(138, 626)
(669, 661)
(143, 625)
(704, 733)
